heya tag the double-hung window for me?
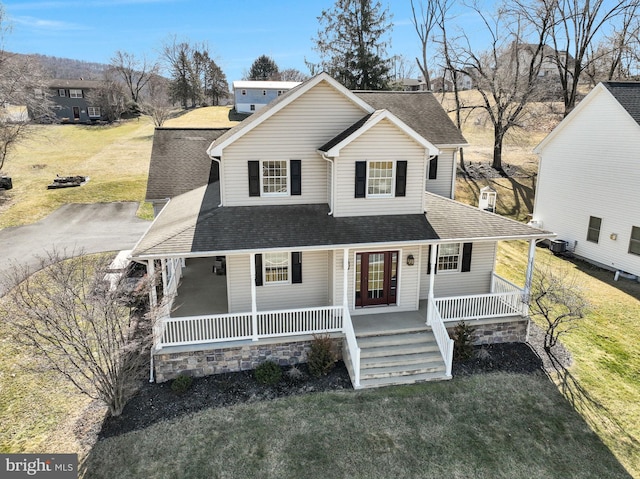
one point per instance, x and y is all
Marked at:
(275, 177)
(62, 92)
(449, 257)
(634, 242)
(593, 233)
(276, 268)
(380, 179)
(93, 111)
(75, 93)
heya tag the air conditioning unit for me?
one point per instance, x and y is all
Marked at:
(558, 246)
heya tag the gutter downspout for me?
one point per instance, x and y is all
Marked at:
(219, 161)
(331, 195)
(453, 174)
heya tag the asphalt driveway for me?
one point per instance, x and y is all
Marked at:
(92, 228)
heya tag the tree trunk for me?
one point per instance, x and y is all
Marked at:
(497, 150)
(462, 165)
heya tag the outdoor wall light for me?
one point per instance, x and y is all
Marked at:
(411, 260)
(613, 236)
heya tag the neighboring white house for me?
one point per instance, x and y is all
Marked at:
(588, 189)
(333, 213)
(251, 95)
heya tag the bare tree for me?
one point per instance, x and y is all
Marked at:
(80, 325)
(424, 24)
(110, 96)
(576, 25)
(23, 93)
(134, 71)
(506, 75)
(156, 100)
(558, 299)
(292, 74)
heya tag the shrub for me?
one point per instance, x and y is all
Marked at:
(462, 341)
(321, 358)
(268, 373)
(181, 384)
(294, 374)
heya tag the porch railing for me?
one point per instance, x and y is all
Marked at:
(505, 300)
(445, 343)
(240, 326)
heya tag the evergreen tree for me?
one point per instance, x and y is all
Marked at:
(264, 68)
(352, 46)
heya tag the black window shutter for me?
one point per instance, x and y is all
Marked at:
(254, 178)
(466, 257)
(296, 267)
(258, 270)
(433, 168)
(361, 179)
(296, 177)
(429, 261)
(401, 178)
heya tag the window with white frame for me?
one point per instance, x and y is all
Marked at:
(93, 111)
(275, 180)
(244, 92)
(379, 178)
(593, 232)
(276, 268)
(634, 242)
(62, 92)
(252, 108)
(449, 257)
(75, 93)
(264, 92)
(280, 92)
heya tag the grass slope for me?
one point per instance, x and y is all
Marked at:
(484, 426)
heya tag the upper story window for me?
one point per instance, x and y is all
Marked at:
(244, 92)
(275, 177)
(93, 111)
(380, 179)
(264, 92)
(280, 92)
(62, 92)
(634, 242)
(75, 93)
(449, 257)
(593, 233)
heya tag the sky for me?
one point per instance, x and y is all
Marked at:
(237, 31)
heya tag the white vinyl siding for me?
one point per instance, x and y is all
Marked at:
(295, 132)
(589, 168)
(313, 291)
(476, 281)
(442, 184)
(383, 142)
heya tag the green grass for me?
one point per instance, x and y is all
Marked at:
(484, 426)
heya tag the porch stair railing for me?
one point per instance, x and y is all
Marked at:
(352, 345)
(445, 343)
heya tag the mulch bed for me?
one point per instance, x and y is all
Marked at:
(157, 402)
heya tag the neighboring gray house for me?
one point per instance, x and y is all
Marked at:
(71, 100)
(251, 95)
(333, 214)
(588, 187)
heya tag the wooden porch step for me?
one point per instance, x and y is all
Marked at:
(399, 349)
(420, 336)
(399, 380)
(426, 365)
(408, 359)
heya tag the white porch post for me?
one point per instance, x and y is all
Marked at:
(433, 259)
(153, 294)
(163, 263)
(345, 268)
(254, 307)
(529, 277)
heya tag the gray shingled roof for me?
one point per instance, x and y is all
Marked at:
(346, 133)
(420, 110)
(628, 95)
(82, 84)
(193, 224)
(179, 160)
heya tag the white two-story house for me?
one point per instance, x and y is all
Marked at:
(330, 211)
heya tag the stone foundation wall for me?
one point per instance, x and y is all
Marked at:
(169, 365)
(502, 332)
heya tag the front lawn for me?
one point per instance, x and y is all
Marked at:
(497, 425)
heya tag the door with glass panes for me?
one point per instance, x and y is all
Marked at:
(376, 278)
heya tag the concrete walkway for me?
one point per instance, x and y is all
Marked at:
(92, 228)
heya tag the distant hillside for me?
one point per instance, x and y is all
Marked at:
(66, 68)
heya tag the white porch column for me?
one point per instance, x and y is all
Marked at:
(163, 263)
(254, 306)
(433, 259)
(345, 268)
(529, 276)
(153, 294)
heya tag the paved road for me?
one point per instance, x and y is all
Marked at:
(93, 228)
